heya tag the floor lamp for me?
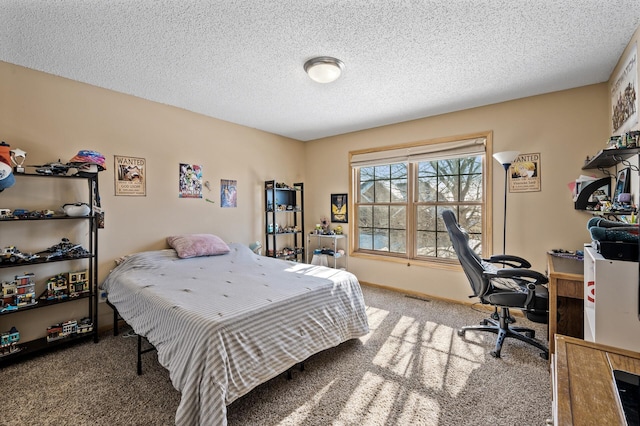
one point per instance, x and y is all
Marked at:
(505, 158)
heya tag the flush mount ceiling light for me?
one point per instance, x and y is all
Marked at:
(324, 69)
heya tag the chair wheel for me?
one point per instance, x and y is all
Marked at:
(461, 333)
(495, 354)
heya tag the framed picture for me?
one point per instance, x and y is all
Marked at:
(339, 208)
(130, 176)
(524, 173)
(228, 193)
(624, 99)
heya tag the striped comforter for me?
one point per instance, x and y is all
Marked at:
(224, 324)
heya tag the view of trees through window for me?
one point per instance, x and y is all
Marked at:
(399, 206)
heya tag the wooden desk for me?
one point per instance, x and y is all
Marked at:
(584, 391)
(566, 295)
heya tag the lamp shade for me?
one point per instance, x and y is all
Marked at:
(506, 157)
(324, 69)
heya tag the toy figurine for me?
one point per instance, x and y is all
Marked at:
(17, 158)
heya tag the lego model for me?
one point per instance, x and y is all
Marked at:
(8, 342)
(26, 290)
(85, 325)
(62, 330)
(78, 283)
(65, 248)
(57, 288)
(67, 284)
(68, 329)
(18, 293)
(12, 254)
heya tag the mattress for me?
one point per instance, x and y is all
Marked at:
(224, 324)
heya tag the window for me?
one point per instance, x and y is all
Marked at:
(400, 194)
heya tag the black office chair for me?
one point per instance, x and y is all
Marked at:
(512, 285)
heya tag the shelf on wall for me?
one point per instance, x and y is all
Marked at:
(582, 202)
(609, 158)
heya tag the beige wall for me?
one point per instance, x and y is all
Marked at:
(564, 127)
(53, 118)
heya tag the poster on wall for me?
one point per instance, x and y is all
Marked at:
(228, 193)
(130, 176)
(624, 97)
(190, 181)
(339, 208)
(524, 173)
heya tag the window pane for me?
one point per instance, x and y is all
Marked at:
(382, 172)
(381, 239)
(426, 218)
(471, 187)
(426, 243)
(398, 217)
(381, 216)
(398, 190)
(427, 168)
(470, 218)
(366, 173)
(445, 248)
(398, 241)
(448, 188)
(365, 216)
(427, 189)
(471, 165)
(382, 191)
(366, 238)
(448, 167)
(399, 171)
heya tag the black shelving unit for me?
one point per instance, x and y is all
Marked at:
(40, 344)
(284, 220)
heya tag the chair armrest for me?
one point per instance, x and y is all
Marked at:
(522, 273)
(508, 259)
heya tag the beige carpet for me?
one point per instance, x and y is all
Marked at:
(412, 369)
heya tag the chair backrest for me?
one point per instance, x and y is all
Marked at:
(469, 259)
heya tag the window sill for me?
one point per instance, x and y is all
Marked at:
(449, 265)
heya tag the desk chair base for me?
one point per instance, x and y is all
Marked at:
(503, 330)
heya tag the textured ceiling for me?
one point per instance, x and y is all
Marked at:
(241, 61)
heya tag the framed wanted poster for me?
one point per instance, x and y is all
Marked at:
(524, 174)
(130, 175)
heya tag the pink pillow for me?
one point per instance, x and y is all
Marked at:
(193, 245)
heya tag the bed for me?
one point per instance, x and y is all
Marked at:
(224, 324)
